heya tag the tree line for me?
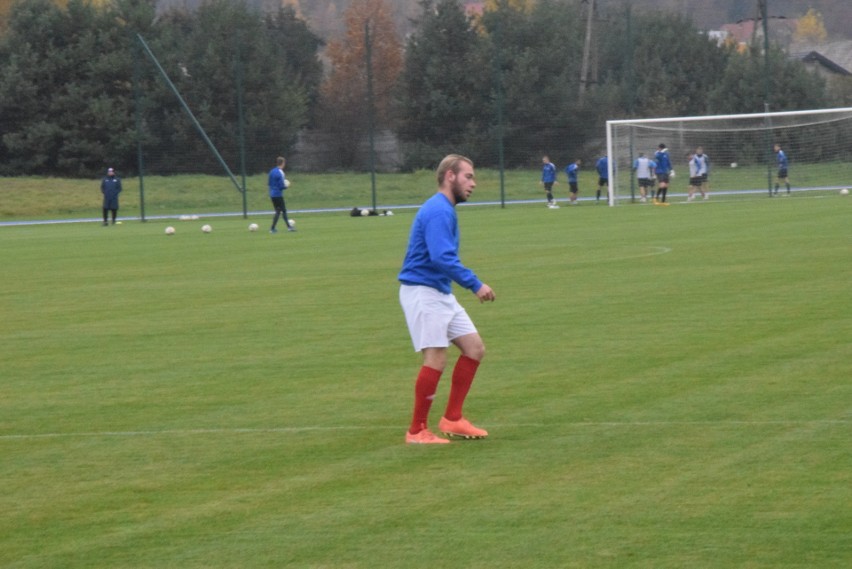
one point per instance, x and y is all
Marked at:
(76, 87)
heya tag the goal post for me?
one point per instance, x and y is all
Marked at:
(740, 148)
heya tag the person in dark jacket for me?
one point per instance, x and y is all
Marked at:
(110, 188)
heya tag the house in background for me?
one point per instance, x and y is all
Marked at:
(830, 60)
(744, 32)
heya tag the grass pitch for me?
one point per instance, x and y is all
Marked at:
(664, 387)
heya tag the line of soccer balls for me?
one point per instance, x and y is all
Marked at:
(207, 228)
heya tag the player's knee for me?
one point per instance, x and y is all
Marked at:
(476, 351)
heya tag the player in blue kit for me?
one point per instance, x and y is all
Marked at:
(602, 166)
(548, 178)
(434, 317)
(572, 170)
(781, 158)
(277, 184)
(663, 170)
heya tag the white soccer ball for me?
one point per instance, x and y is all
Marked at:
(253, 227)
(291, 221)
(206, 228)
(170, 230)
(844, 192)
(734, 164)
(365, 212)
(389, 212)
(286, 183)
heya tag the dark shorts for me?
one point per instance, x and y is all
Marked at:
(782, 173)
(548, 186)
(696, 181)
(603, 182)
(573, 186)
(703, 178)
(663, 178)
(278, 203)
(645, 182)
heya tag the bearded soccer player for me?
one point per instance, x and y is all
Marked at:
(435, 318)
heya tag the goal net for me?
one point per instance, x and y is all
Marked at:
(740, 148)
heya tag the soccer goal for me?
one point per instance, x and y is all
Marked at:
(740, 148)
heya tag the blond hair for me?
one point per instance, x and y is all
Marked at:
(451, 162)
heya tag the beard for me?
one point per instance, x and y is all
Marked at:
(458, 193)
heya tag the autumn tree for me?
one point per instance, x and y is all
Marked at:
(346, 105)
(810, 28)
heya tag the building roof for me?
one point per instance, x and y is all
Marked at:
(834, 56)
(744, 30)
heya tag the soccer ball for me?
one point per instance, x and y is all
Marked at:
(170, 230)
(734, 164)
(365, 212)
(253, 227)
(844, 192)
(286, 183)
(206, 228)
(291, 221)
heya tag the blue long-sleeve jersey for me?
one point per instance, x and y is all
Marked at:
(782, 160)
(664, 163)
(276, 183)
(432, 257)
(548, 173)
(602, 166)
(571, 171)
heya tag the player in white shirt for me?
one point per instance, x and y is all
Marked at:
(696, 179)
(644, 168)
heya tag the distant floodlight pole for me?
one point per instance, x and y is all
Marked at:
(498, 73)
(767, 90)
(238, 72)
(370, 118)
(587, 48)
(137, 98)
(631, 92)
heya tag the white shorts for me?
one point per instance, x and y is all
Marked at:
(434, 319)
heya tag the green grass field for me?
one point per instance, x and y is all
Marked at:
(664, 388)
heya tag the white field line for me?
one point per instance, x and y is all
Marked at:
(508, 426)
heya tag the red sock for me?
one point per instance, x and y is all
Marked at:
(424, 393)
(463, 375)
